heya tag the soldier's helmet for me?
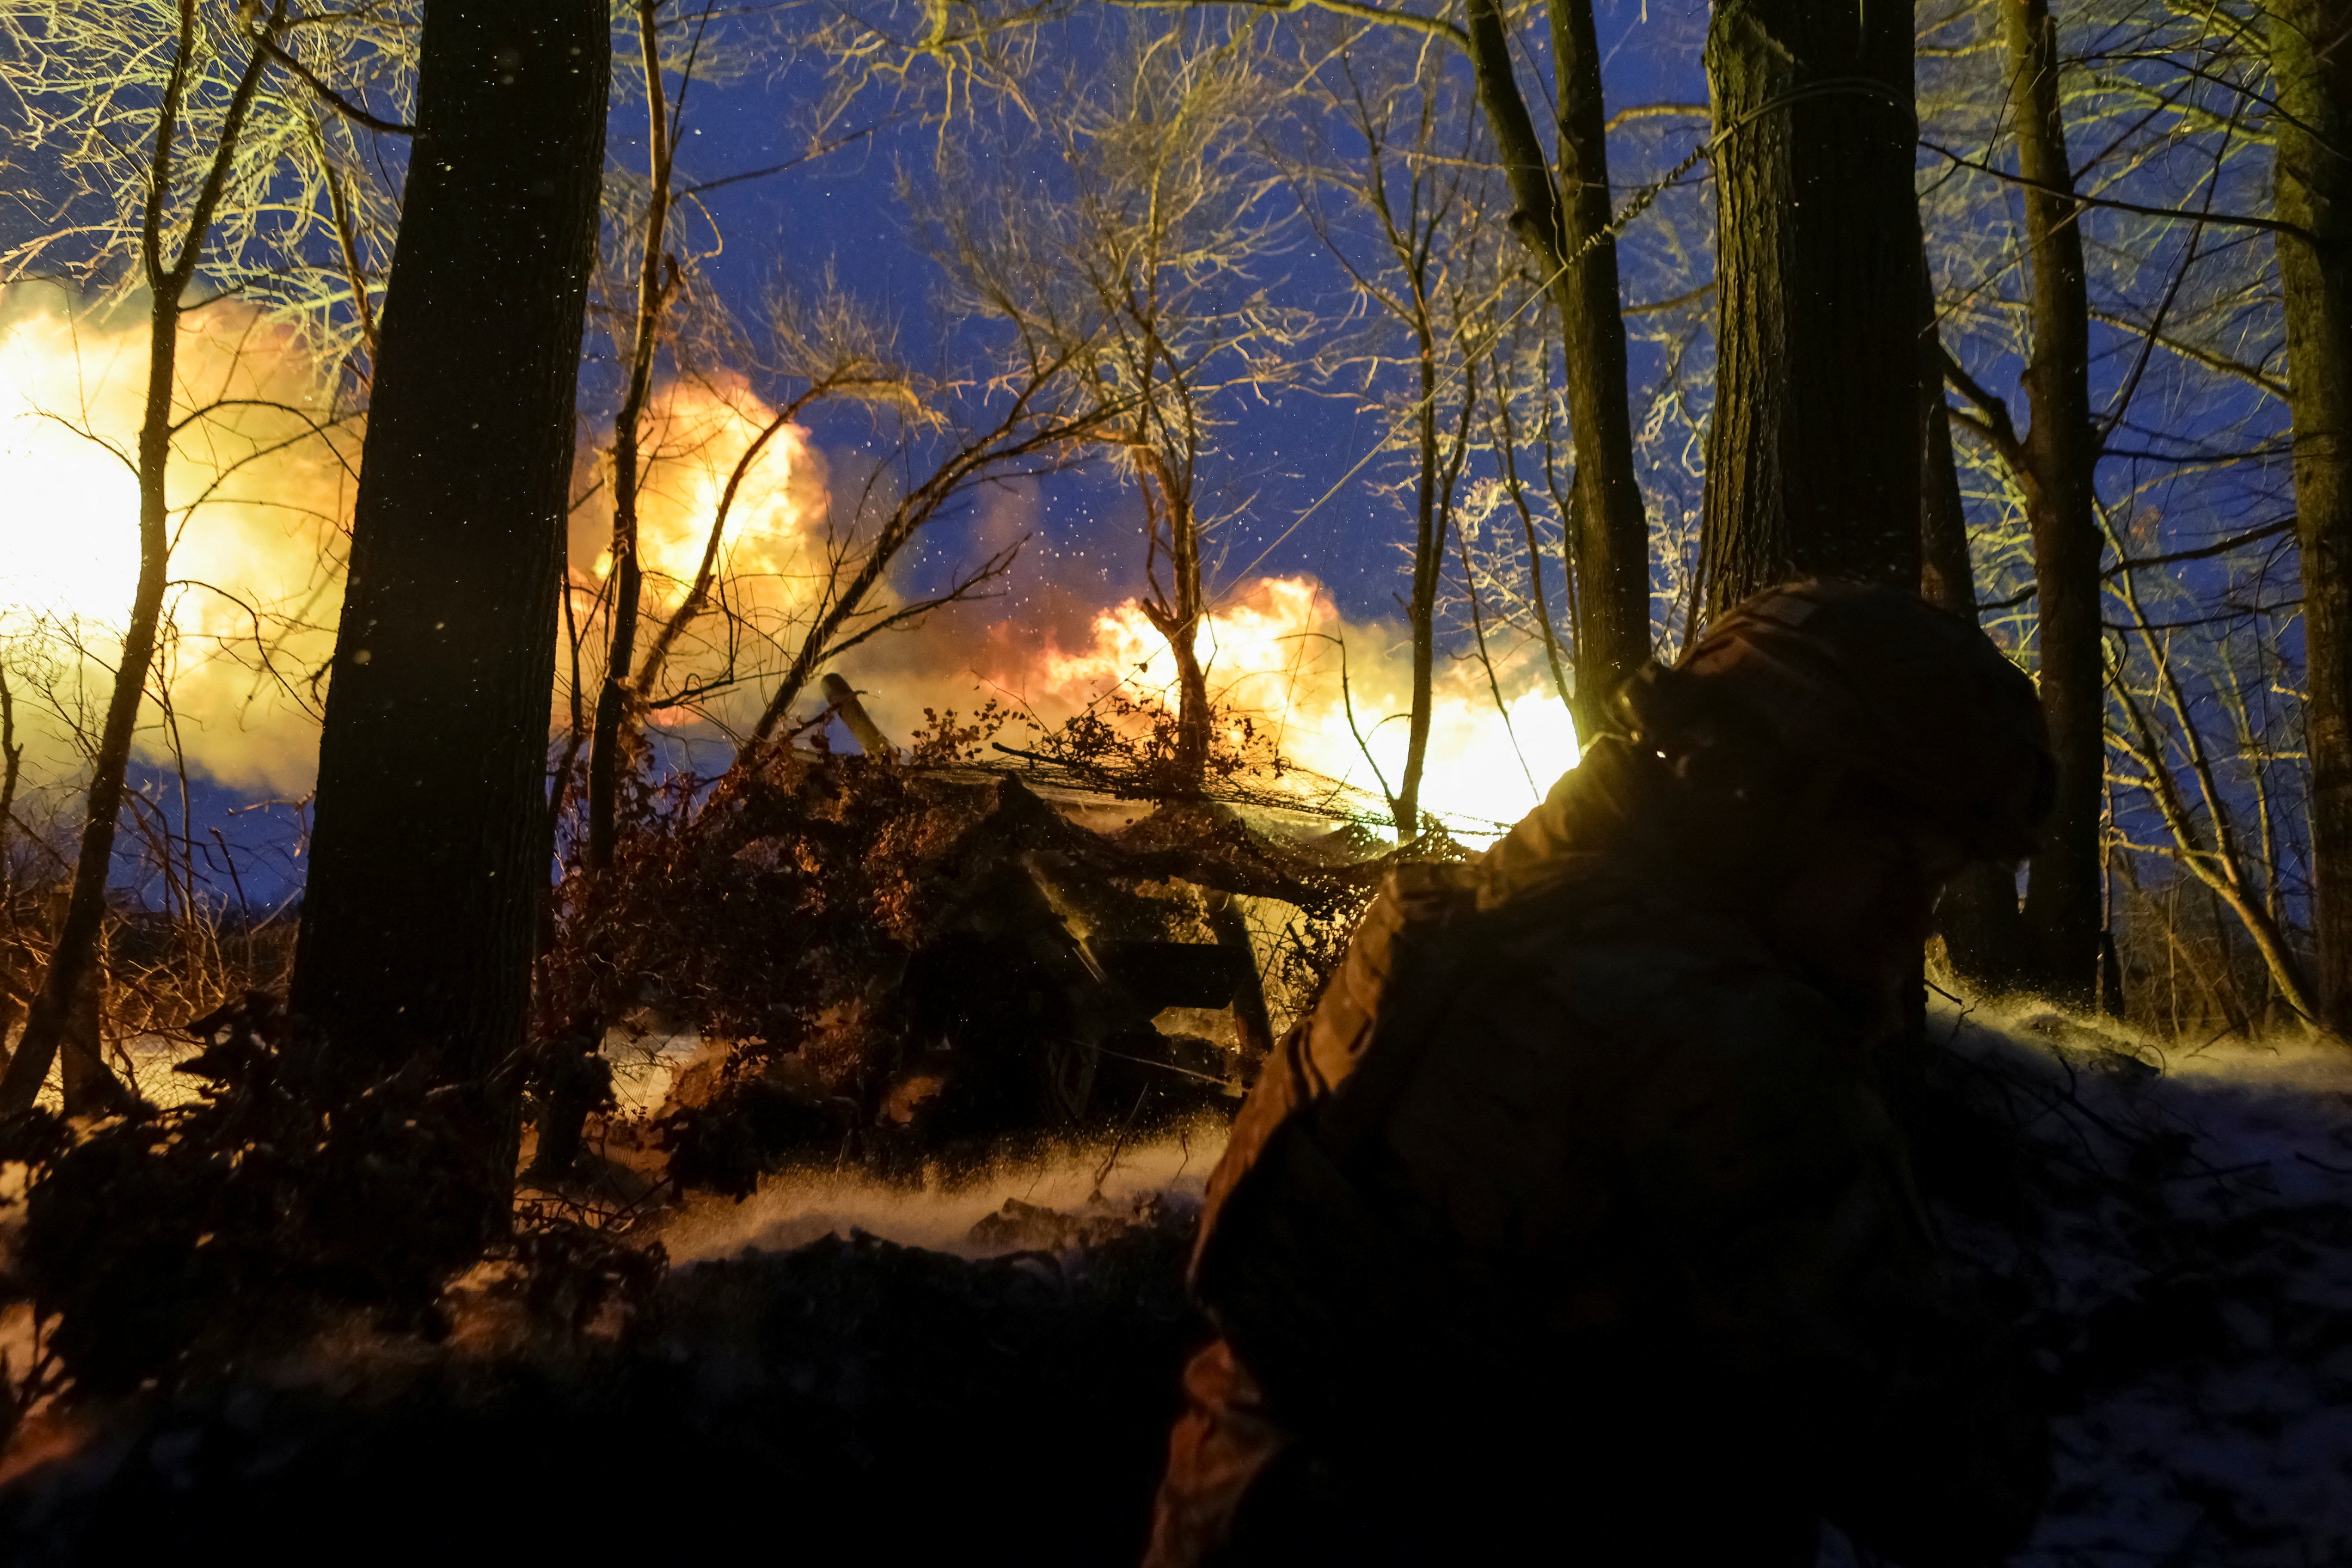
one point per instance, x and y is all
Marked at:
(1815, 686)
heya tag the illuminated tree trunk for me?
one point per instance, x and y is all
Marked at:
(2311, 60)
(1428, 560)
(1563, 221)
(429, 849)
(1177, 613)
(74, 961)
(608, 757)
(1813, 454)
(2060, 459)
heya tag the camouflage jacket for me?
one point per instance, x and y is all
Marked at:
(1564, 1142)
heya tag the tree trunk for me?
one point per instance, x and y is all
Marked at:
(1815, 452)
(1563, 220)
(1612, 527)
(74, 959)
(1189, 766)
(1947, 577)
(1978, 916)
(1428, 563)
(2061, 457)
(1180, 621)
(2311, 60)
(88, 1088)
(428, 852)
(616, 700)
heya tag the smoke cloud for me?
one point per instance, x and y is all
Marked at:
(262, 486)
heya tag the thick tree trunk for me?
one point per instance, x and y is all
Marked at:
(1563, 220)
(1978, 917)
(2061, 457)
(427, 857)
(2311, 60)
(1813, 455)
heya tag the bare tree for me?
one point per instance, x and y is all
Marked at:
(655, 277)
(2058, 455)
(2198, 818)
(2108, 266)
(174, 124)
(666, 48)
(1978, 916)
(1026, 438)
(1136, 274)
(1565, 222)
(829, 349)
(1412, 179)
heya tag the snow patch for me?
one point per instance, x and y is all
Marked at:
(2199, 1301)
(794, 1208)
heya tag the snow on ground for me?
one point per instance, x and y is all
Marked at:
(146, 1061)
(645, 1062)
(2194, 1289)
(2190, 1285)
(1107, 1182)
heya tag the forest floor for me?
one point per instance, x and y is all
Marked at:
(2189, 1262)
(971, 1365)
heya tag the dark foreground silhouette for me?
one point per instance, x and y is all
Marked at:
(849, 1400)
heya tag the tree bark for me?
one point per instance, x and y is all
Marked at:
(87, 1088)
(1813, 455)
(1947, 577)
(1428, 563)
(2311, 61)
(74, 959)
(613, 745)
(1180, 621)
(2060, 455)
(428, 851)
(1978, 916)
(1563, 220)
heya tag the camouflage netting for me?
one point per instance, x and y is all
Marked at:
(887, 962)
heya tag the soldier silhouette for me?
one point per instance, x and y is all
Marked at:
(1570, 1224)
